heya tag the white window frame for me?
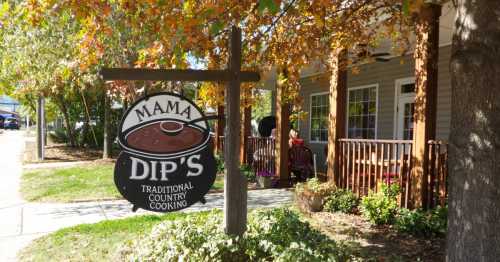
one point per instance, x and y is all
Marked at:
(310, 116)
(397, 94)
(376, 107)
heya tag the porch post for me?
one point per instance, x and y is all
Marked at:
(282, 134)
(426, 71)
(337, 114)
(219, 128)
(107, 145)
(246, 127)
(273, 102)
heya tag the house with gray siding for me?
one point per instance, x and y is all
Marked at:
(387, 123)
(380, 101)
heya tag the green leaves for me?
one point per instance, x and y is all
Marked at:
(270, 5)
(216, 27)
(272, 235)
(4, 8)
(406, 7)
(423, 223)
(381, 207)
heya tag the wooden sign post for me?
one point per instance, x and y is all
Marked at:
(235, 188)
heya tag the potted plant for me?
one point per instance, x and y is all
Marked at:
(310, 195)
(264, 178)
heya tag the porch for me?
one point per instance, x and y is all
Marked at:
(366, 164)
(339, 117)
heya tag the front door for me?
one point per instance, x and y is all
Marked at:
(405, 103)
(405, 112)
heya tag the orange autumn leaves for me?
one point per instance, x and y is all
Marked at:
(289, 34)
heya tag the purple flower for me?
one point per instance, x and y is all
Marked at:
(265, 173)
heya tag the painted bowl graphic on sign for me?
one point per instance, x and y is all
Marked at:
(167, 162)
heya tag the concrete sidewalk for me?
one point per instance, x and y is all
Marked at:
(11, 152)
(24, 222)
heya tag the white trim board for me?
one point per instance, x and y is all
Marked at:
(397, 93)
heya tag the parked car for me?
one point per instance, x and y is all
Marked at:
(1, 121)
(11, 123)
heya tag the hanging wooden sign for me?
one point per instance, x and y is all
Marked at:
(235, 191)
(167, 162)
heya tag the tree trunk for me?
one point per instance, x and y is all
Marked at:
(87, 113)
(474, 157)
(84, 142)
(67, 122)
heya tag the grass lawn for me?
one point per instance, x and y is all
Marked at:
(219, 183)
(82, 183)
(88, 182)
(92, 242)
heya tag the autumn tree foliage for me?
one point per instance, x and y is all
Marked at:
(175, 34)
(281, 35)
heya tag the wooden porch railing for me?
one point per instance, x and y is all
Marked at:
(366, 164)
(437, 191)
(260, 153)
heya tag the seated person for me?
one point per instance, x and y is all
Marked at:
(294, 139)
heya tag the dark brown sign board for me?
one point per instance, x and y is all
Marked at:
(235, 191)
(167, 161)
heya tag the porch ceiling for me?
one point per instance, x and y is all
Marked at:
(445, 37)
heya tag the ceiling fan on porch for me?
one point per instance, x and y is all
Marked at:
(366, 53)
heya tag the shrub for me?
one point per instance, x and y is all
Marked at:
(272, 235)
(247, 171)
(342, 200)
(309, 196)
(219, 160)
(85, 136)
(315, 187)
(381, 207)
(58, 136)
(423, 223)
